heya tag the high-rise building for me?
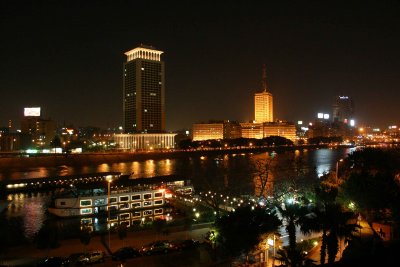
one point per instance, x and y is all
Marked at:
(263, 102)
(343, 109)
(144, 91)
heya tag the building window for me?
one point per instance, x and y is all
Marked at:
(135, 197)
(124, 199)
(124, 206)
(86, 211)
(86, 202)
(135, 214)
(100, 202)
(124, 216)
(147, 203)
(158, 202)
(147, 196)
(158, 211)
(62, 203)
(147, 212)
(113, 199)
(136, 205)
(158, 194)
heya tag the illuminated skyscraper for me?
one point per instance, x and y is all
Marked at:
(144, 91)
(343, 109)
(263, 102)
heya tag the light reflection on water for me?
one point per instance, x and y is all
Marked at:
(231, 173)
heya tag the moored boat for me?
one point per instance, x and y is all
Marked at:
(123, 199)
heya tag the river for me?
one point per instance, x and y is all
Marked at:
(232, 173)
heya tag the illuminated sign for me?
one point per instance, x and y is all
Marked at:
(320, 115)
(32, 112)
(352, 123)
(300, 122)
(326, 116)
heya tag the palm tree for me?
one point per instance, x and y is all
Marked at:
(333, 222)
(293, 214)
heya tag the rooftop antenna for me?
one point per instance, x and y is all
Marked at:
(264, 79)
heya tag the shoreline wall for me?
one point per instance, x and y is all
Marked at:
(114, 157)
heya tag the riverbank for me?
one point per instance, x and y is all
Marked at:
(85, 159)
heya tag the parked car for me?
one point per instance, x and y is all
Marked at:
(91, 257)
(158, 247)
(187, 244)
(54, 262)
(125, 253)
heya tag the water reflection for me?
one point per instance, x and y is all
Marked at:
(232, 174)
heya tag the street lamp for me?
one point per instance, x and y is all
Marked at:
(109, 180)
(337, 169)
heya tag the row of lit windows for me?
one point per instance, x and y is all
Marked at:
(144, 204)
(102, 201)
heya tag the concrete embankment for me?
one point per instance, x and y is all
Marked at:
(85, 159)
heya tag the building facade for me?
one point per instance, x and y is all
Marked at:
(216, 130)
(42, 131)
(144, 91)
(343, 109)
(263, 102)
(261, 130)
(132, 142)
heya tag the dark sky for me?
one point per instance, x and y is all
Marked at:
(67, 56)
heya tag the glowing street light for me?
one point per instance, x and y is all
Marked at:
(337, 169)
(109, 180)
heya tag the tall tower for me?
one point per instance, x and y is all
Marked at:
(144, 91)
(343, 109)
(263, 102)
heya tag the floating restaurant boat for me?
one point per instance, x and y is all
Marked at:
(131, 200)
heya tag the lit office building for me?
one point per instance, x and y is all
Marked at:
(263, 102)
(216, 130)
(252, 130)
(144, 91)
(133, 142)
(283, 129)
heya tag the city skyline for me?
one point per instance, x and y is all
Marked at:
(67, 57)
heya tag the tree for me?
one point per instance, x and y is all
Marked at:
(239, 231)
(292, 214)
(262, 175)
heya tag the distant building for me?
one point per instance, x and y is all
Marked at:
(15, 141)
(156, 141)
(41, 130)
(263, 102)
(216, 130)
(343, 110)
(252, 130)
(262, 130)
(283, 129)
(144, 91)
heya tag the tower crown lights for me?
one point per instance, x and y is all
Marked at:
(144, 52)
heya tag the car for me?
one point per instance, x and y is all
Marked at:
(158, 247)
(187, 244)
(94, 256)
(125, 253)
(54, 262)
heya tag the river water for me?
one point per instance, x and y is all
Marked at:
(231, 173)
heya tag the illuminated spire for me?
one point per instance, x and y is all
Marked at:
(264, 79)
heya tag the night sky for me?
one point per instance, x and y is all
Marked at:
(67, 56)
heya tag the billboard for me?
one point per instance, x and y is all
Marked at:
(32, 112)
